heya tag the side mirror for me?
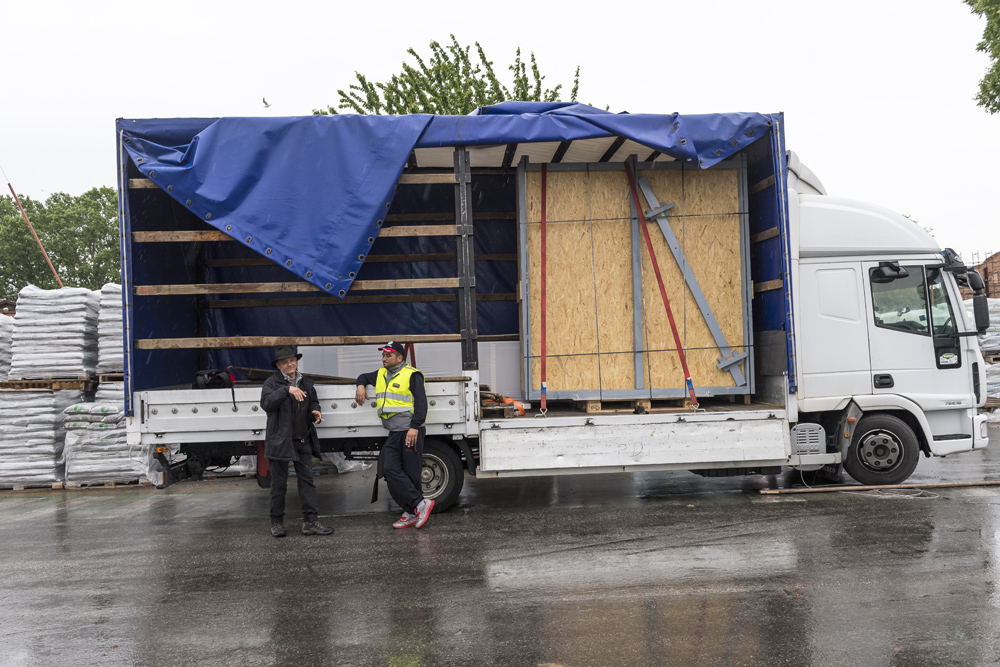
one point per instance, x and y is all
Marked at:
(888, 271)
(981, 310)
(976, 283)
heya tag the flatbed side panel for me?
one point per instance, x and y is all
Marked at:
(207, 415)
(636, 444)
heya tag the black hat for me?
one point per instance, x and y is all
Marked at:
(393, 346)
(284, 352)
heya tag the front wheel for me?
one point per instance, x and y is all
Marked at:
(884, 450)
(442, 475)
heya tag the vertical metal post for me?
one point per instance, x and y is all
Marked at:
(637, 305)
(125, 247)
(525, 288)
(465, 262)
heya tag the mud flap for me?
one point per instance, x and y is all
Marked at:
(263, 467)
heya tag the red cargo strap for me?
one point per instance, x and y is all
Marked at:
(544, 173)
(659, 280)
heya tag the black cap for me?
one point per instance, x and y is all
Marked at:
(393, 346)
(284, 352)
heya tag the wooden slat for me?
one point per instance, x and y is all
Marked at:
(335, 301)
(764, 235)
(275, 341)
(141, 184)
(418, 230)
(371, 259)
(180, 237)
(432, 217)
(424, 179)
(257, 288)
(762, 185)
(766, 286)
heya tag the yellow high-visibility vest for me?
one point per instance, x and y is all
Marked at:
(394, 395)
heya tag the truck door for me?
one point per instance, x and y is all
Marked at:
(914, 350)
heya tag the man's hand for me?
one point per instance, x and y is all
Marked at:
(317, 416)
(297, 393)
(411, 437)
(360, 395)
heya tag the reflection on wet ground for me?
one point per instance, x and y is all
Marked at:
(645, 569)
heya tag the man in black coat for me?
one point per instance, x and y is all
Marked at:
(292, 407)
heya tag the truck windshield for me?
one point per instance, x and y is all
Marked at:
(901, 303)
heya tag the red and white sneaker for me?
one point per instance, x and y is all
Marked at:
(424, 513)
(405, 521)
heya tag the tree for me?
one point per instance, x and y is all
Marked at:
(989, 87)
(79, 233)
(447, 83)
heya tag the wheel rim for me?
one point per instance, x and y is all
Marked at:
(880, 451)
(434, 476)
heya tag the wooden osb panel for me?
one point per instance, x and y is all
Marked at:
(713, 244)
(710, 192)
(567, 197)
(589, 271)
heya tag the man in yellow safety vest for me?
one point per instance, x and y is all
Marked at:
(402, 406)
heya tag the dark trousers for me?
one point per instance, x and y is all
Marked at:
(303, 473)
(402, 468)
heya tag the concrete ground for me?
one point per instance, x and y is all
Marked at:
(644, 569)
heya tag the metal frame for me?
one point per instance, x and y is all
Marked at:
(125, 249)
(640, 391)
(465, 261)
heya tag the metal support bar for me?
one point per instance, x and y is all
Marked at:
(637, 309)
(465, 261)
(692, 283)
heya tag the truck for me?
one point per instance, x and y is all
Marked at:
(783, 328)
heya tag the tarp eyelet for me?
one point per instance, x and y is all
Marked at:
(361, 258)
(288, 262)
(208, 216)
(152, 173)
(329, 285)
(309, 274)
(341, 292)
(351, 274)
(268, 251)
(249, 239)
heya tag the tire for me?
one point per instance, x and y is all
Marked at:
(883, 450)
(442, 474)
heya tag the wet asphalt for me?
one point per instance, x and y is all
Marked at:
(644, 569)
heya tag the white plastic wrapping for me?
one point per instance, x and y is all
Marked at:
(32, 436)
(989, 342)
(993, 380)
(6, 338)
(109, 331)
(96, 449)
(55, 333)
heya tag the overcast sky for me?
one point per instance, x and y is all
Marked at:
(878, 94)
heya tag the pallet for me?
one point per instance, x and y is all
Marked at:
(137, 483)
(992, 357)
(104, 378)
(50, 486)
(992, 404)
(645, 404)
(56, 384)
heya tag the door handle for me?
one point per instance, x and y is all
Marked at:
(883, 381)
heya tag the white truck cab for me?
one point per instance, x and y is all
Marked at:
(882, 334)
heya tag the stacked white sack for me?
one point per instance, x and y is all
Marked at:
(109, 331)
(55, 333)
(989, 342)
(993, 380)
(32, 435)
(96, 449)
(6, 335)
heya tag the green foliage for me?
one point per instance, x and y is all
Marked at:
(447, 83)
(80, 235)
(989, 87)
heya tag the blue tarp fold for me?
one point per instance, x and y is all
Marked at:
(310, 193)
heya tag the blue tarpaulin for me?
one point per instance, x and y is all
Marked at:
(314, 190)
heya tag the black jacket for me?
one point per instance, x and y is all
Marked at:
(278, 404)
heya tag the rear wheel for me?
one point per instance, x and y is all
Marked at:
(884, 450)
(442, 475)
